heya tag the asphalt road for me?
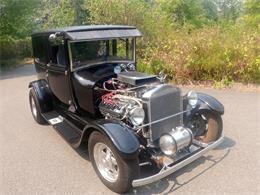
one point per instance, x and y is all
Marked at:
(34, 159)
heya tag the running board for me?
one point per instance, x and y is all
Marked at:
(171, 169)
(67, 130)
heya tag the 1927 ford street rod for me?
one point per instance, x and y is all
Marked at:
(88, 89)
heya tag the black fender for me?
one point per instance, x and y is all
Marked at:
(206, 103)
(121, 136)
(43, 94)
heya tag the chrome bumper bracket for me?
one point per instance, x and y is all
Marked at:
(172, 169)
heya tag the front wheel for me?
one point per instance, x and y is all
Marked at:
(206, 127)
(114, 171)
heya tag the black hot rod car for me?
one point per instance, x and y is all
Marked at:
(88, 89)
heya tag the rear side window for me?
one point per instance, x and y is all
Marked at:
(57, 55)
(40, 49)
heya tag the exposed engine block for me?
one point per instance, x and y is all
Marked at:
(110, 107)
(117, 105)
(155, 100)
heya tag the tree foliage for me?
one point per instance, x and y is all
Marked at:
(185, 12)
(17, 17)
(55, 13)
(252, 12)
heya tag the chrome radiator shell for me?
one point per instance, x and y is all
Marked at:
(159, 102)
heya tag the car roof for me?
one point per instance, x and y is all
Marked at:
(83, 28)
(92, 32)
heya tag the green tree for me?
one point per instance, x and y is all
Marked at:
(211, 10)
(17, 17)
(56, 13)
(116, 11)
(252, 12)
(229, 10)
(185, 12)
(140, 13)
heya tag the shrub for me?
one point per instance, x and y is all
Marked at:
(12, 49)
(7, 48)
(210, 54)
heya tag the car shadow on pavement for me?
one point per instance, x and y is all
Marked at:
(227, 143)
(25, 70)
(165, 186)
(83, 151)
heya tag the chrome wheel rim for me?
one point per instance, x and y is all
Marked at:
(106, 162)
(33, 106)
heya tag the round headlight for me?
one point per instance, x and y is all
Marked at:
(192, 98)
(167, 144)
(136, 115)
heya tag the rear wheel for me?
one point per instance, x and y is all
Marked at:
(206, 127)
(114, 171)
(35, 108)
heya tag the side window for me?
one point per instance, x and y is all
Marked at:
(39, 49)
(121, 48)
(61, 57)
(57, 55)
(124, 48)
(53, 54)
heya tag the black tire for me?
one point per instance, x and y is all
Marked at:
(35, 108)
(128, 169)
(211, 127)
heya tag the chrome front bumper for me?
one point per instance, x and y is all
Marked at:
(171, 169)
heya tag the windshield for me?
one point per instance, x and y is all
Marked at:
(94, 52)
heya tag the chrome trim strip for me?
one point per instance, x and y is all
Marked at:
(162, 119)
(70, 56)
(134, 54)
(170, 170)
(181, 107)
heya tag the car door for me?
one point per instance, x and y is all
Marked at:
(57, 74)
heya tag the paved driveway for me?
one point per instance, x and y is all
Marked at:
(34, 159)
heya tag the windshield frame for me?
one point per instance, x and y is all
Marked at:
(72, 68)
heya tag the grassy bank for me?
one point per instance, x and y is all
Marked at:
(211, 54)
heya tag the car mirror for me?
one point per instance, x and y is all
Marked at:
(56, 39)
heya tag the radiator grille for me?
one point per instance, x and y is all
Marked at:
(160, 102)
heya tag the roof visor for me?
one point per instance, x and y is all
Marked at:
(103, 34)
